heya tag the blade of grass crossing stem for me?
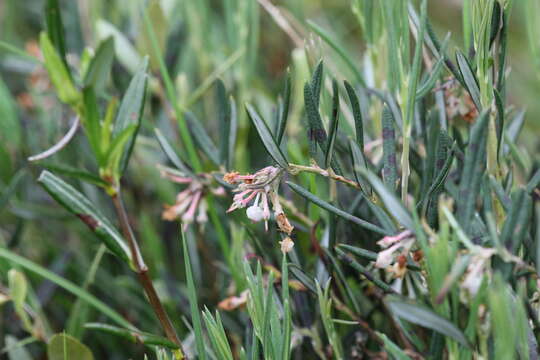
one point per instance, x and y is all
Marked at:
(357, 114)
(76, 203)
(284, 116)
(392, 203)
(100, 65)
(339, 50)
(224, 115)
(55, 28)
(66, 285)
(411, 101)
(334, 124)
(420, 315)
(389, 149)
(131, 109)
(171, 95)
(473, 171)
(193, 303)
(327, 206)
(266, 137)
(202, 138)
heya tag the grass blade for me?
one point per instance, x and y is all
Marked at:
(389, 149)
(224, 115)
(202, 138)
(284, 116)
(357, 114)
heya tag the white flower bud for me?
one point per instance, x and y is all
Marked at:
(255, 213)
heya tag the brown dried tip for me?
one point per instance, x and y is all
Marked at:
(231, 177)
(283, 224)
(286, 245)
(169, 213)
(233, 302)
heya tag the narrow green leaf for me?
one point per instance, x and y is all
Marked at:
(389, 150)
(284, 116)
(233, 131)
(65, 347)
(533, 182)
(171, 153)
(316, 131)
(469, 78)
(134, 336)
(420, 315)
(327, 206)
(334, 124)
(359, 162)
(224, 115)
(317, 83)
(499, 120)
(125, 52)
(193, 303)
(75, 173)
(100, 66)
(76, 203)
(266, 137)
(114, 154)
(473, 171)
(429, 83)
(91, 124)
(393, 349)
(392, 203)
(58, 72)
(357, 114)
(131, 110)
(202, 138)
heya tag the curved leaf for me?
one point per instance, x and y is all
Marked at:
(266, 137)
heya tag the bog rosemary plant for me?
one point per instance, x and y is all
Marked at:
(270, 226)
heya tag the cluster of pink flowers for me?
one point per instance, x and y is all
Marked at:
(259, 189)
(394, 257)
(190, 205)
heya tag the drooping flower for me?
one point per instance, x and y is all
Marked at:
(190, 205)
(395, 254)
(259, 190)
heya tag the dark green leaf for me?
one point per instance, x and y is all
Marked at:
(131, 110)
(469, 78)
(327, 206)
(76, 203)
(357, 114)
(334, 123)
(91, 124)
(420, 315)
(533, 182)
(316, 131)
(317, 83)
(473, 171)
(359, 162)
(389, 149)
(284, 116)
(266, 137)
(100, 66)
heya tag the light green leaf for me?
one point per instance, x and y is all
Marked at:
(58, 72)
(65, 347)
(100, 66)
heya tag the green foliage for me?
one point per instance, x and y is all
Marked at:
(360, 255)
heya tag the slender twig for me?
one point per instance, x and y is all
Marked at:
(144, 278)
(295, 169)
